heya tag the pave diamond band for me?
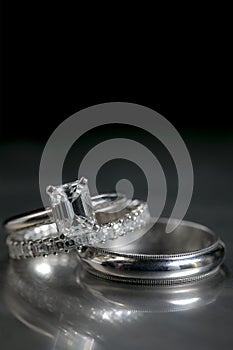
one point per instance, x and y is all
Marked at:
(75, 219)
(134, 216)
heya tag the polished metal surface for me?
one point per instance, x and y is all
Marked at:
(80, 312)
(44, 240)
(190, 252)
(43, 216)
(40, 310)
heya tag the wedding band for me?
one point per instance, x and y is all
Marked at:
(75, 219)
(191, 252)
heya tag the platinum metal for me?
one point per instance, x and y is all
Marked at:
(43, 239)
(44, 216)
(191, 252)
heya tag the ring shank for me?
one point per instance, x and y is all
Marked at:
(101, 203)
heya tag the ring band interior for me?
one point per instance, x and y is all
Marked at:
(189, 253)
(186, 238)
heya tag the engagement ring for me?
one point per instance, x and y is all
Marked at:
(75, 219)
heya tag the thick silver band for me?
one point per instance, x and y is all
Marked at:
(189, 253)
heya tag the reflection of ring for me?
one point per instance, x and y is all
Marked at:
(80, 220)
(191, 252)
(143, 299)
(36, 294)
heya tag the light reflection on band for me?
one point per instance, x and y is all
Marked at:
(55, 297)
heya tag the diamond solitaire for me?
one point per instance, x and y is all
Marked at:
(75, 220)
(72, 207)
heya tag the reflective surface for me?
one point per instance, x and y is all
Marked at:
(44, 306)
(58, 299)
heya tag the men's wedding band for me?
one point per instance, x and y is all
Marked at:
(191, 252)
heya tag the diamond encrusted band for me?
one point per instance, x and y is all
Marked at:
(72, 209)
(75, 219)
(136, 217)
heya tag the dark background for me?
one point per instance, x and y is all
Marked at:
(59, 60)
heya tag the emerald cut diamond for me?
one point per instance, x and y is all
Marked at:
(72, 207)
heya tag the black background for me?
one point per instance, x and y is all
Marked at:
(59, 60)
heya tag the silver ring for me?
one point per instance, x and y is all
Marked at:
(38, 217)
(191, 252)
(75, 219)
